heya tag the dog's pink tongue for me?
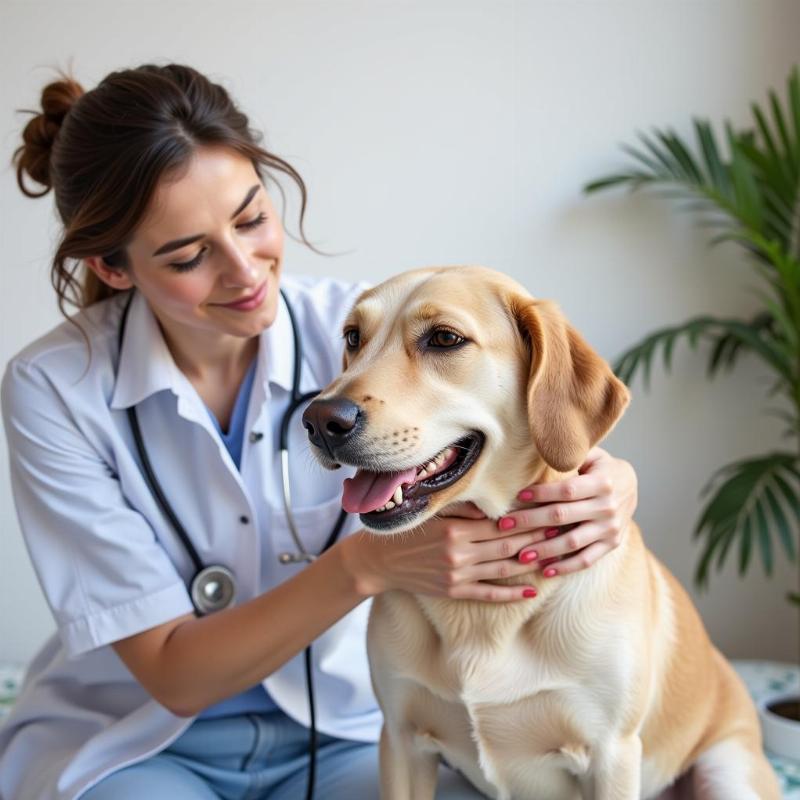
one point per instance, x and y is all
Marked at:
(366, 491)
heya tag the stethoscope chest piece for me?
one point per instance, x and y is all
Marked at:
(213, 589)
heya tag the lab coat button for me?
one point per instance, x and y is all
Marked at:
(244, 520)
(256, 436)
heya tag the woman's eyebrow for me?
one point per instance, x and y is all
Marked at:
(251, 193)
(176, 244)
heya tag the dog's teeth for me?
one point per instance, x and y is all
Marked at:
(390, 505)
(398, 495)
(434, 464)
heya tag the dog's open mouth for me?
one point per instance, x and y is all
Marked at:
(385, 499)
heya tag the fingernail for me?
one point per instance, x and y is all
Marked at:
(525, 494)
(529, 593)
(507, 523)
(551, 532)
(549, 573)
(527, 556)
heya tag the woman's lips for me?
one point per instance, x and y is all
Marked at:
(249, 303)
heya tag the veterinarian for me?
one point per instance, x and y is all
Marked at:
(172, 250)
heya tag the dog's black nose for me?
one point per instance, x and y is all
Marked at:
(330, 423)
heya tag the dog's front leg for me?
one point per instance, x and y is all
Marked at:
(407, 771)
(617, 770)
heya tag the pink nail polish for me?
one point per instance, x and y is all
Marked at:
(527, 556)
(551, 533)
(549, 573)
(507, 523)
(525, 494)
(529, 593)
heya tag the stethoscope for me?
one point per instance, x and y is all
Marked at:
(213, 587)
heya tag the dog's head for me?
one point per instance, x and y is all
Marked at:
(457, 385)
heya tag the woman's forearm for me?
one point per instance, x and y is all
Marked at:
(202, 660)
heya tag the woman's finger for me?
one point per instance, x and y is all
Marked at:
(593, 457)
(496, 570)
(578, 487)
(577, 561)
(554, 515)
(499, 548)
(492, 593)
(565, 543)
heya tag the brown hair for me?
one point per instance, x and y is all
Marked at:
(104, 151)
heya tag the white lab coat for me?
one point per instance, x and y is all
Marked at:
(109, 561)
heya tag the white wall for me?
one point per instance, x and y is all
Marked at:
(461, 131)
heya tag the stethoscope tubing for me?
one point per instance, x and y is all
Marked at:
(224, 575)
(219, 573)
(149, 472)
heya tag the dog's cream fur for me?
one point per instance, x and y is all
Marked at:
(605, 686)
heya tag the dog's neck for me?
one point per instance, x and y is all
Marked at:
(493, 622)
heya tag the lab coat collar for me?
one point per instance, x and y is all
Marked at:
(146, 365)
(276, 349)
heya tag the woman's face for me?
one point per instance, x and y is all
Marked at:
(207, 255)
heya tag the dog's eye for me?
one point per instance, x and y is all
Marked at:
(444, 338)
(352, 338)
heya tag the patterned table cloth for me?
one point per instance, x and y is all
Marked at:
(764, 678)
(761, 677)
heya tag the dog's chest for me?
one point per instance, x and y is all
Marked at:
(521, 741)
(515, 715)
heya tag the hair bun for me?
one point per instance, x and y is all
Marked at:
(38, 136)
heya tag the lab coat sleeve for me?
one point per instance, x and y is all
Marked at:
(103, 572)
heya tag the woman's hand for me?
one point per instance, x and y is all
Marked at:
(449, 556)
(568, 527)
(579, 519)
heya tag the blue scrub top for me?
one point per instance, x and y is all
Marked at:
(255, 700)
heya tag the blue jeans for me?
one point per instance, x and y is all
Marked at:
(258, 757)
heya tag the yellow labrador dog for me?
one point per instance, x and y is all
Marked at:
(607, 685)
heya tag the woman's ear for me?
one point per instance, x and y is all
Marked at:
(115, 277)
(574, 399)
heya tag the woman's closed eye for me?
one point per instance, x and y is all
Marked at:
(183, 266)
(247, 225)
(252, 223)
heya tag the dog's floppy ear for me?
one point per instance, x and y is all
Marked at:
(574, 399)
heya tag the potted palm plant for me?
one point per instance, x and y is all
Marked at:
(745, 185)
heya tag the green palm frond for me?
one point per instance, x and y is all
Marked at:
(745, 187)
(756, 504)
(727, 346)
(726, 336)
(748, 182)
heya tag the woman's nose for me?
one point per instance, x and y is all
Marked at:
(237, 270)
